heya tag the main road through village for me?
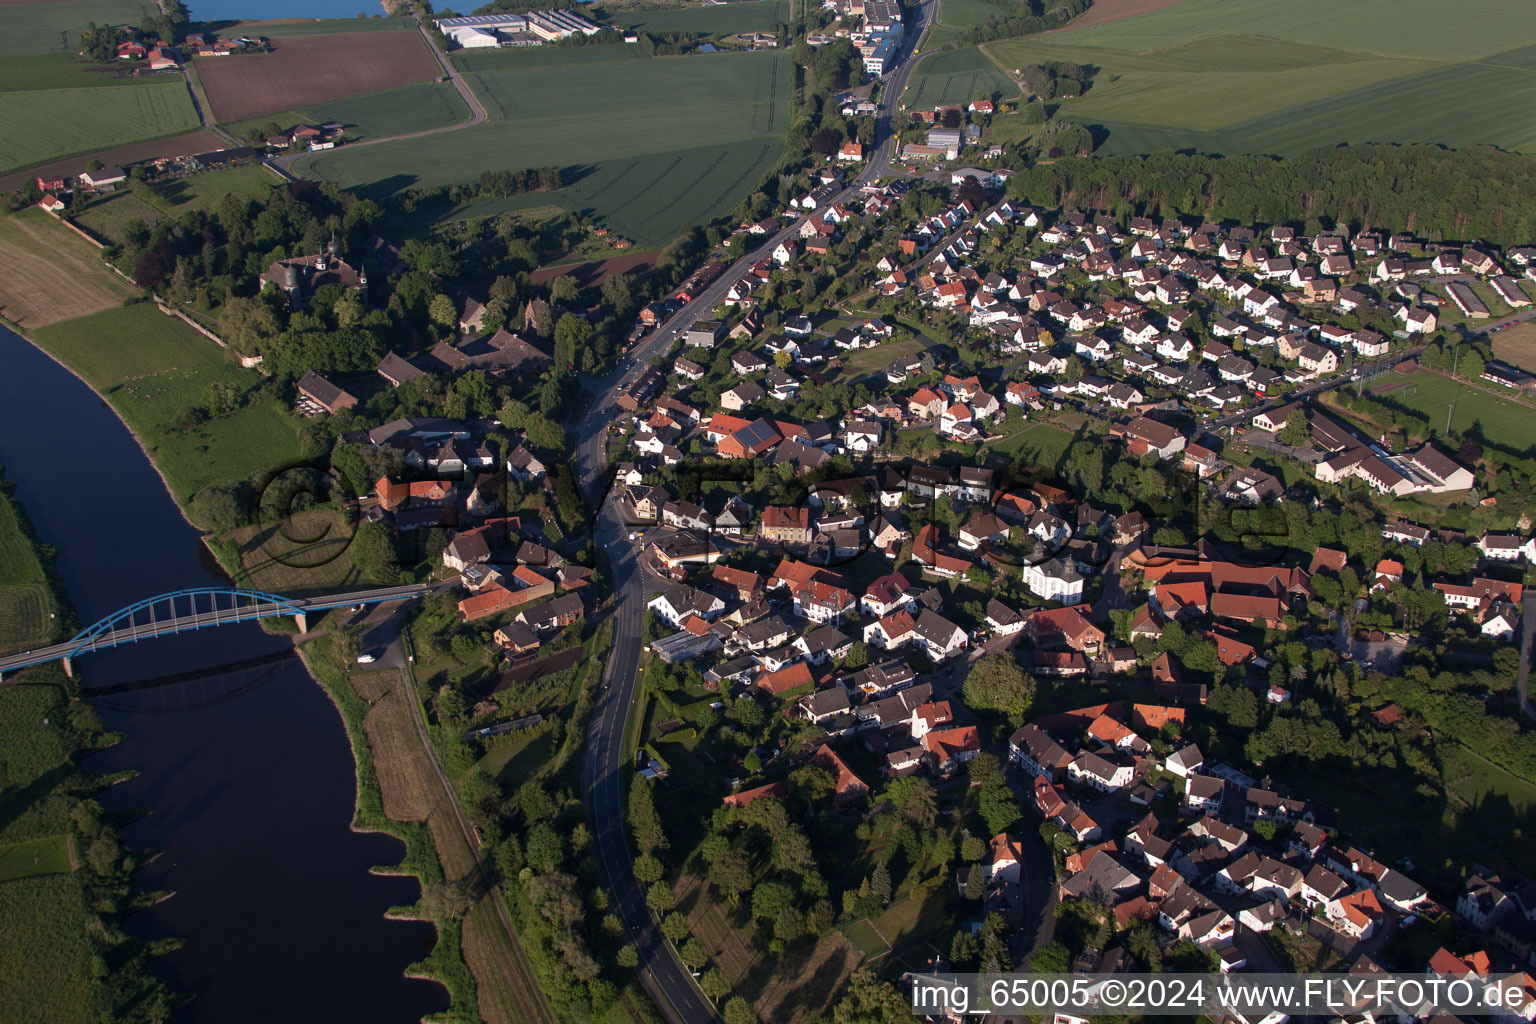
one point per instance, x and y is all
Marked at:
(664, 976)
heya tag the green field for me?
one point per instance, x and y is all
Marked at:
(410, 108)
(55, 27)
(206, 190)
(25, 606)
(49, 856)
(1431, 29)
(1244, 76)
(47, 124)
(150, 367)
(637, 146)
(60, 71)
(970, 13)
(1038, 442)
(718, 20)
(1504, 421)
(956, 77)
(45, 944)
(108, 218)
(318, 27)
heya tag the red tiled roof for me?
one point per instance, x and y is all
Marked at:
(949, 743)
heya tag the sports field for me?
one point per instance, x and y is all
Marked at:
(956, 77)
(637, 141)
(48, 273)
(717, 20)
(46, 124)
(1503, 420)
(306, 70)
(1236, 76)
(410, 108)
(1517, 346)
(55, 26)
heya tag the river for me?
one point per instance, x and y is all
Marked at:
(246, 776)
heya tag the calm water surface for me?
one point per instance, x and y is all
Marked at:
(246, 774)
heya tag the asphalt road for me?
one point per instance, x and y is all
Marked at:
(664, 976)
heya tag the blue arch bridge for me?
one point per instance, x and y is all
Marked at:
(196, 608)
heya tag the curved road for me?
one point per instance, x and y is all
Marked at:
(668, 981)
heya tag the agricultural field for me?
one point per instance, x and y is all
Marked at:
(25, 73)
(1416, 28)
(718, 20)
(1517, 346)
(47, 124)
(48, 273)
(39, 911)
(283, 27)
(26, 608)
(1240, 76)
(306, 70)
(151, 367)
(1503, 420)
(613, 127)
(54, 27)
(410, 108)
(956, 77)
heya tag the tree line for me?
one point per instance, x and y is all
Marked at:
(1428, 191)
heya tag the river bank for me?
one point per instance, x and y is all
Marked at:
(17, 330)
(48, 806)
(249, 838)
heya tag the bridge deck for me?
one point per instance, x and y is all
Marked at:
(244, 606)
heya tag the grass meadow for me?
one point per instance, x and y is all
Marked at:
(207, 190)
(961, 14)
(55, 27)
(150, 367)
(46, 124)
(46, 856)
(718, 20)
(410, 108)
(638, 146)
(108, 218)
(1241, 76)
(956, 77)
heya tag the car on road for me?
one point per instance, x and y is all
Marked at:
(365, 659)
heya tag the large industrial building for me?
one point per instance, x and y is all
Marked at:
(529, 29)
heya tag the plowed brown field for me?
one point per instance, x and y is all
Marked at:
(303, 70)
